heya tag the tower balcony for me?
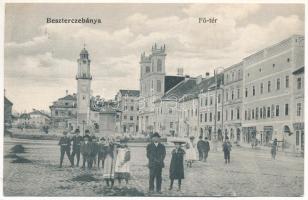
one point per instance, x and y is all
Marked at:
(83, 77)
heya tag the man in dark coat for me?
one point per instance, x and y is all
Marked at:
(176, 171)
(206, 149)
(65, 147)
(85, 150)
(156, 153)
(201, 148)
(77, 139)
(226, 147)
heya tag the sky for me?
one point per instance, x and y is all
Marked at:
(40, 59)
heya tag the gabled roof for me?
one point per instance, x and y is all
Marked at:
(69, 97)
(37, 112)
(130, 93)
(299, 71)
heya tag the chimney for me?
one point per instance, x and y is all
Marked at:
(180, 71)
(66, 92)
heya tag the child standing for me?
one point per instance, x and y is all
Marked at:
(176, 171)
(109, 163)
(122, 162)
(191, 153)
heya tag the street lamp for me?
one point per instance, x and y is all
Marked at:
(216, 72)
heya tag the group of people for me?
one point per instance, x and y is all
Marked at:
(113, 155)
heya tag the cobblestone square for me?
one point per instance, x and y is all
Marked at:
(250, 173)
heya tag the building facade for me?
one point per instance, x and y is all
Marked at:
(268, 88)
(7, 112)
(128, 106)
(232, 100)
(63, 112)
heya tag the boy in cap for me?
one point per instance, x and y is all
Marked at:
(77, 139)
(94, 151)
(101, 152)
(85, 150)
(65, 147)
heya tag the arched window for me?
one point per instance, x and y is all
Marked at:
(159, 65)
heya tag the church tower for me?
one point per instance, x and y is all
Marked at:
(83, 78)
(152, 84)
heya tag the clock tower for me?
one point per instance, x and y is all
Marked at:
(83, 78)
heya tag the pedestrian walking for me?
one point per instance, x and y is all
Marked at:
(176, 171)
(156, 153)
(122, 162)
(109, 163)
(274, 148)
(77, 139)
(65, 148)
(191, 154)
(201, 147)
(226, 147)
(101, 152)
(206, 149)
(94, 152)
(85, 150)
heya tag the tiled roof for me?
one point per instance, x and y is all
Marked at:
(189, 89)
(171, 81)
(299, 71)
(130, 93)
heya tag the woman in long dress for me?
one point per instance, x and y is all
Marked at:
(122, 163)
(109, 163)
(191, 154)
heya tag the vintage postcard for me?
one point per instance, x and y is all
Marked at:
(156, 100)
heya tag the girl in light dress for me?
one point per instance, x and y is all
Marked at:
(191, 153)
(122, 162)
(109, 163)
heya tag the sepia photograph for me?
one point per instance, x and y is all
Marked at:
(153, 99)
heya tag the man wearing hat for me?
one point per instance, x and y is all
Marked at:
(156, 153)
(65, 147)
(77, 139)
(85, 150)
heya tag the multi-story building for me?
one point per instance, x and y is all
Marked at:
(153, 85)
(211, 108)
(168, 108)
(268, 84)
(64, 112)
(127, 102)
(298, 112)
(232, 100)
